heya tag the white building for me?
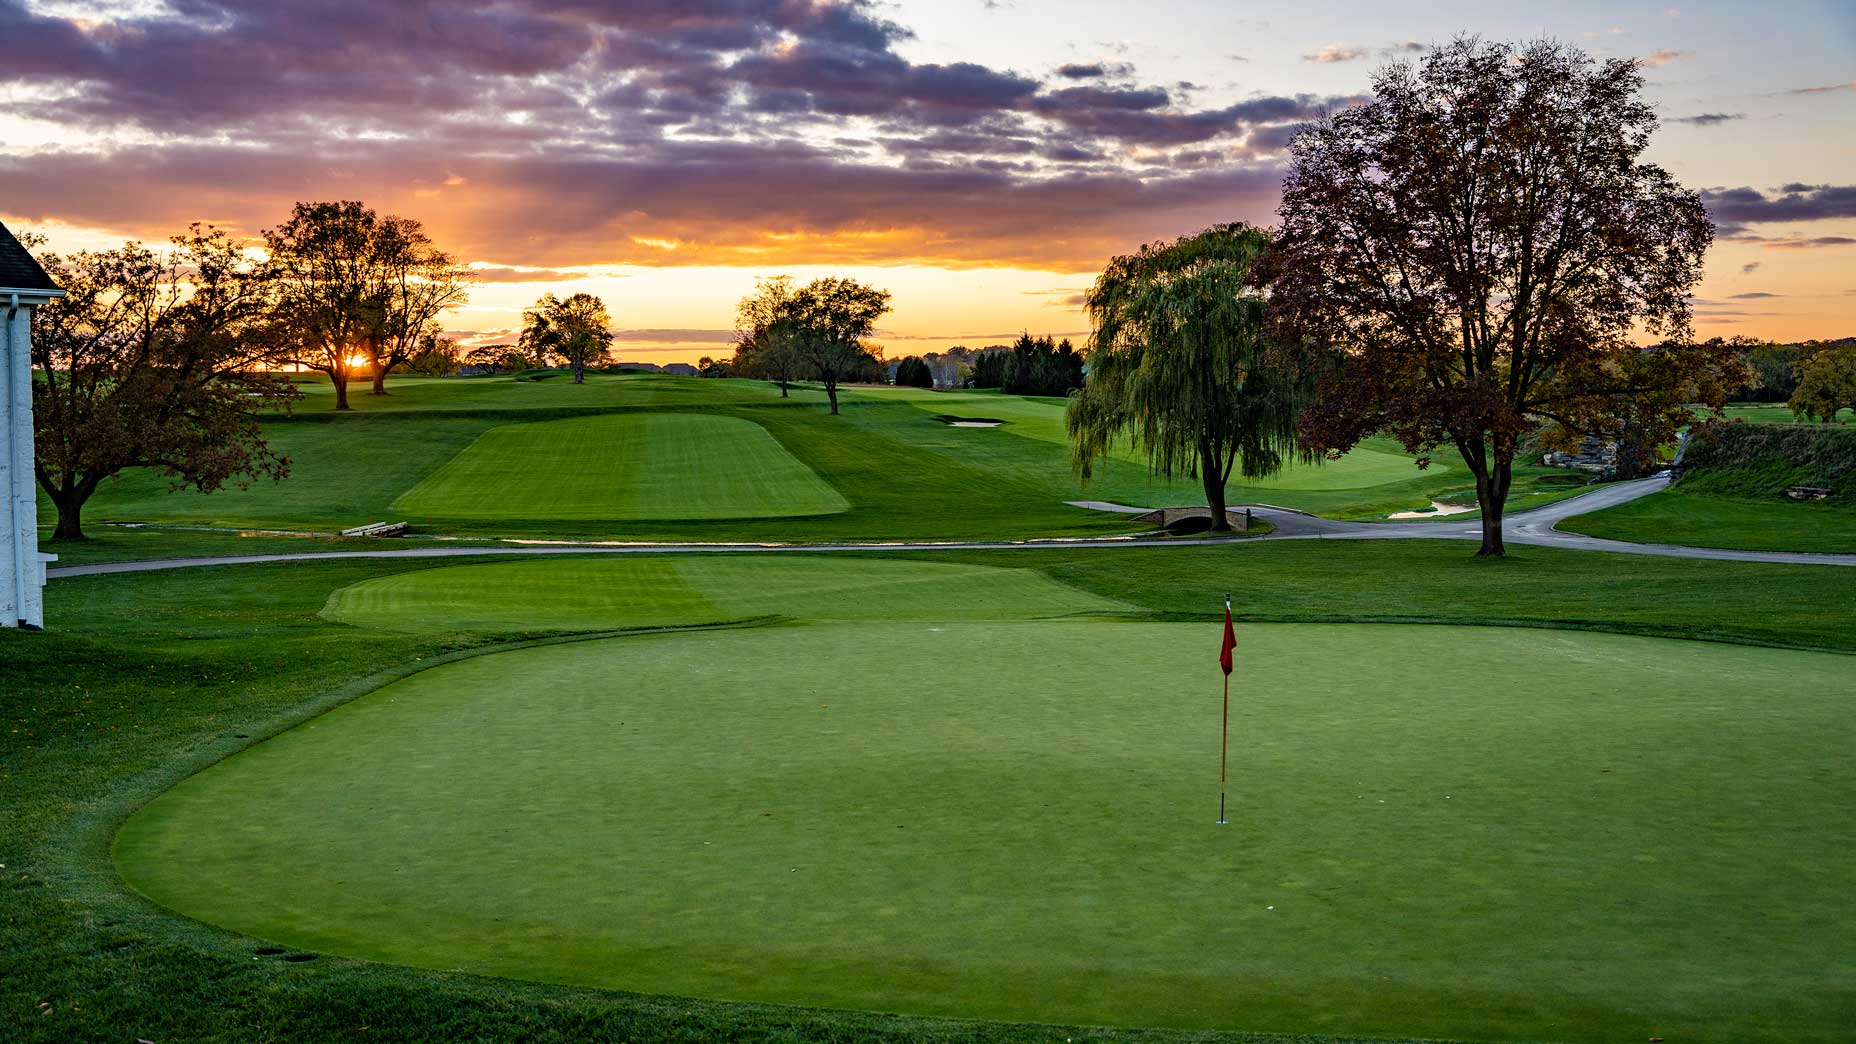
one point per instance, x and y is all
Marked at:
(23, 287)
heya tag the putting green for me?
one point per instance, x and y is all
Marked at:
(1435, 830)
(621, 467)
(582, 594)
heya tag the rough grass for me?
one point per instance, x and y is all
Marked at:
(1763, 460)
(1732, 493)
(1679, 516)
(148, 678)
(621, 467)
(1015, 821)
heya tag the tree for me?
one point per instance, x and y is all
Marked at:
(498, 358)
(437, 356)
(911, 372)
(708, 367)
(1040, 366)
(1826, 383)
(358, 289)
(1775, 371)
(1478, 245)
(991, 366)
(766, 343)
(832, 318)
(154, 361)
(1180, 363)
(576, 330)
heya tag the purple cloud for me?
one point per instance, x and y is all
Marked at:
(1794, 202)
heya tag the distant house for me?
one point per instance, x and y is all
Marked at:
(642, 367)
(682, 369)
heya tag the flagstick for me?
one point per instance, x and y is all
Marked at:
(1224, 745)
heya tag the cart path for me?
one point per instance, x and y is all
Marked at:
(1534, 527)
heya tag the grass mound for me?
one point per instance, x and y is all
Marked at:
(1762, 460)
(624, 466)
(1732, 493)
(1678, 516)
(1014, 820)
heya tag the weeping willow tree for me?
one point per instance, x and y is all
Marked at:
(1180, 365)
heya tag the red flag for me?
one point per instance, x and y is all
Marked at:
(1230, 640)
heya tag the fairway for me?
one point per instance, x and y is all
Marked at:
(1013, 819)
(1042, 419)
(624, 466)
(602, 594)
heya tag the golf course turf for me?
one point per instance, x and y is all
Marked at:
(1072, 670)
(670, 458)
(1013, 820)
(623, 466)
(609, 594)
(781, 795)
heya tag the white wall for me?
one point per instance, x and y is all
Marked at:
(22, 568)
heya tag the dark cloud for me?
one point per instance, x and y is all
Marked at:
(1796, 202)
(1710, 119)
(676, 336)
(576, 132)
(688, 203)
(1749, 268)
(1826, 89)
(1753, 296)
(500, 274)
(1811, 243)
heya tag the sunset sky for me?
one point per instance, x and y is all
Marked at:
(979, 159)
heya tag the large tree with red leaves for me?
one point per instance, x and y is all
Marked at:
(1480, 246)
(155, 360)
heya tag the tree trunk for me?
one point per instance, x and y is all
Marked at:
(1634, 458)
(70, 505)
(1492, 498)
(782, 387)
(831, 392)
(579, 372)
(380, 379)
(1214, 490)
(1214, 498)
(340, 380)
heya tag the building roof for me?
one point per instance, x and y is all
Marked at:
(18, 270)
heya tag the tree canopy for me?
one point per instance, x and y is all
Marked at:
(819, 330)
(1480, 245)
(357, 287)
(766, 341)
(1180, 364)
(574, 330)
(1030, 366)
(1826, 383)
(912, 372)
(154, 360)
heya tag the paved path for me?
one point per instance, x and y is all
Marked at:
(1524, 527)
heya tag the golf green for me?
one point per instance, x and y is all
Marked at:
(1472, 832)
(624, 466)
